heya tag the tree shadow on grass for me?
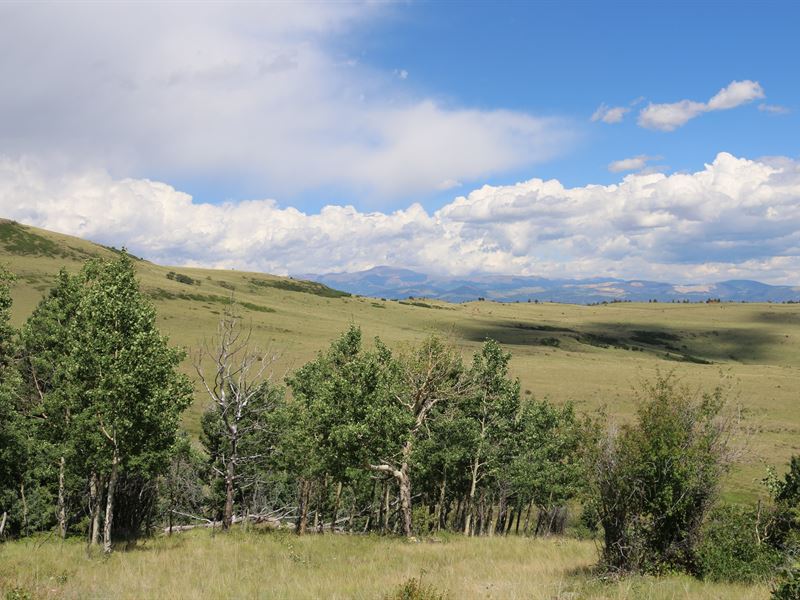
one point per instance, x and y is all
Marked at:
(695, 345)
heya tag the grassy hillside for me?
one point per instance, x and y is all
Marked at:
(592, 355)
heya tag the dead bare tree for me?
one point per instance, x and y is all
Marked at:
(241, 397)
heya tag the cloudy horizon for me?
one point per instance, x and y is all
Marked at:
(734, 219)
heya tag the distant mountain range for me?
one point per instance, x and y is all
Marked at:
(389, 282)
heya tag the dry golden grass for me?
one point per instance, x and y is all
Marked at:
(280, 565)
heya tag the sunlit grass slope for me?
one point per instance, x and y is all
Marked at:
(281, 565)
(591, 355)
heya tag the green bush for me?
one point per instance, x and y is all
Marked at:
(654, 481)
(788, 585)
(730, 549)
(414, 589)
(18, 593)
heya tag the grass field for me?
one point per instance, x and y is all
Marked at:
(591, 355)
(280, 565)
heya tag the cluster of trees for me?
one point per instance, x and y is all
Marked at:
(91, 402)
(380, 440)
(365, 437)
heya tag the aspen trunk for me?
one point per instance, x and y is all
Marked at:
(94, 500)
(372, 511)
(336, 505)
(479, 527)
(527, 518)
(227, 515)
(385, 507)
(501, 514)
(471, 500)
(405, 500)
(509, 520)
(62, 508)
(404, 482)
(109, 520)
(304, 497)
(319, 516)
(3, 523)
(440, 504)
(24, 508)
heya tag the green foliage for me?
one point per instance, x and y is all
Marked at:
(545, 465)
(257, 429)
(732, 550)
(13, 453)
(126, 369)
(99, 394)
(415, 589)
(18, 239)
(788, 491)
(656, 480)
(346, 391)
(159, 294)
(181, 278)
(785, 525)
(306, 287)
(787, 587)
(18, 593)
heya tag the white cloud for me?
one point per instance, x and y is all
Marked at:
(610, 114)
(668, 117)
(247, 97)
(774, 109)
(736, 218)
(736, 94)
(635, 163)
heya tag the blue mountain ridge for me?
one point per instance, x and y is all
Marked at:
(396, 283)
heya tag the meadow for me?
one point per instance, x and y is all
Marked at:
(277, 565)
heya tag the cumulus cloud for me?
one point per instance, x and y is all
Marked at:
(635, 163)
(241, 97)
(668, 117)
(736, 218)
(610, 114)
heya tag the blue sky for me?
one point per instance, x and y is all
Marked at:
(298, 137)
(566, 58)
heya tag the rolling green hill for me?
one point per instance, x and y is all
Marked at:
(591, 355)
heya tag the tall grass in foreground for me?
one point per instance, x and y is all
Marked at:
(260, 564)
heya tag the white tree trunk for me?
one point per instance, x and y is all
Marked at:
(62, 508)
(112, 484)
(94, 500)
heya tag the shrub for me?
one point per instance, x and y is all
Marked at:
(731, 549)
(788, 585)
(654, 481)
(414, 589)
